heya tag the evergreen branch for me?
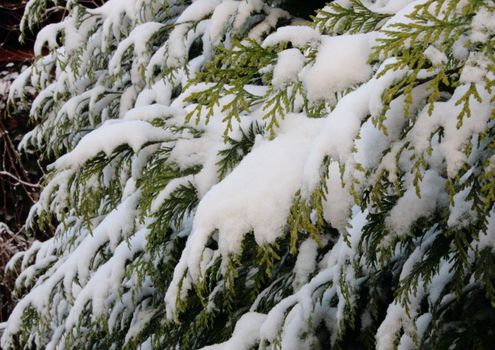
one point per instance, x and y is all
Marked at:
(357, 18)
(231, 156)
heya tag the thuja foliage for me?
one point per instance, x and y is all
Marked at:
(228, 176)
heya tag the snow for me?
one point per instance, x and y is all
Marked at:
(388, 6)
(181, 39)
(272, 172)
(246, 10)
(220, 16)
(339, 201)
(342, 125)
(198, 10)
(475, 69)
(459, 49)
(106, 280)
(483, 25)
(269, 176)
(17, 86)
(461, 212)
(289, 64)
(115, 14)
(401, 13)
(440, 280)
(342, 62)
(386, 334)
(48, 36)
(292, 335)
(305, 263)
(235, 13)
(139, 40)
(411, 207)
(48, 92)
(298, 36)
(109, 136)
(168, 190)
(455, 137)
(436, 57)
(406, 343)
(487, 239)
(7, 79)
(119, 83)
(263, 28)
(160, 93)
(422, 323)
(149, 112)
(77, 263)
(245, 335)
(418, 254)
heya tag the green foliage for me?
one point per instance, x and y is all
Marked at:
(388, 245)
(227, 76)
(357, 18)
(237, 149)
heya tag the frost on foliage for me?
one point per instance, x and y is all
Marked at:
(223, 177)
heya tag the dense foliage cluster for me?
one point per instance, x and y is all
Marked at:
(18, 187)
(229, 176)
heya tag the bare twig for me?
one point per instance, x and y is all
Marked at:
(19, 181)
